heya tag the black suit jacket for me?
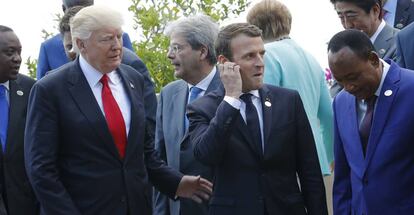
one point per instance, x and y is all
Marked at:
(16, 187)
(247, 181)
(71, 159)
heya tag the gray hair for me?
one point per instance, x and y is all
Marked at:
(198, 30)
(93, 18)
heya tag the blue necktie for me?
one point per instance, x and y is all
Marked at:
(194, 92)
(252, 121)
(4, 116)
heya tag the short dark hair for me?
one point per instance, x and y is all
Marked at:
(72, 3)
(5, 28)
(355, 40)
(64, 24)
(365, 5)
(229, 32)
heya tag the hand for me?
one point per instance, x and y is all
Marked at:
(195, 188)
(231, 79)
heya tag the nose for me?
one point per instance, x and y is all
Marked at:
(349, 87)
(260, 60)
(170, 54)
(117, 43)
(17, 58)
(348, 24)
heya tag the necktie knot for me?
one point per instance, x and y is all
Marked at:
(247, 98)
(104, 80)
(2, 91)
(194, 92)
(371, 102)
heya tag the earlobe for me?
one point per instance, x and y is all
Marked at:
(374, 59)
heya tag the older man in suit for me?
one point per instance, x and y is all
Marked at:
(192, 54)
(256, 137)
(52, 53)
(14, 93)
(374, 125)
(87, 145)
(405, 47)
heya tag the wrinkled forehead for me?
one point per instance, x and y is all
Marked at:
(8, 39)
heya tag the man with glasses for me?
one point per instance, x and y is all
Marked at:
(192, 54)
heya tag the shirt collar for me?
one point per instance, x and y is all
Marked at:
(379, 29)
(203, 84)
(385, 69)
(255, 93)
(6, 84)
(93, 76)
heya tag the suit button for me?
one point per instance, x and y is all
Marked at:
(123, 199)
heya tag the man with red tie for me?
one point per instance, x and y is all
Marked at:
(87, 146)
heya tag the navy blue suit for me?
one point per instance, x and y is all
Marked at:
(381, 183)
(405, 47)
(52, 54)
(247, 181)
(404, 13)
(71, 159)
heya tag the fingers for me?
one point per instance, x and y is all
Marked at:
(196, 199)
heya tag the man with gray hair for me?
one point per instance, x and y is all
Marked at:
(192, 54)
(87, 146)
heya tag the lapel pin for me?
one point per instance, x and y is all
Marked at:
(388, 93)
(132, 86)
(400, 25)
(19, 93)
(267, 103)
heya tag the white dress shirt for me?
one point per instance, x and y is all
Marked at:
(93, 77)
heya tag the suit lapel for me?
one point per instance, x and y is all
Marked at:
(17, 106)
(383, 107)
(84, 98)
(384, 41)
(178, 105)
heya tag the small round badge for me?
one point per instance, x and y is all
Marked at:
(399, 26)
(19, 93)
(388, 93)
(268, 104)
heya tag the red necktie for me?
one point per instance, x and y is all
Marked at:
(113, 117)
(365, 126)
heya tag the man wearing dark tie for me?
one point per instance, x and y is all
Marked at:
(374, 125)
(192, 54)
(87, 146)
(16, 192)
(256, 137)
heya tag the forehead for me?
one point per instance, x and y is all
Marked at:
(177, 38)
(344, 61)
(9, 39)
(243, 44)
(107, 30)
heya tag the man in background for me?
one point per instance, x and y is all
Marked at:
(16, 192)
(52, 54)
(398, 13)
(405, 47)
(193, 56)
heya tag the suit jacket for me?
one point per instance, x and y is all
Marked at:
(246, 181)
(172, 141)
(385, 46)
(405, 51)
(20, 198)
(52, 54)
(404, 13)
(380, 183)
(70, 156)
(288, 65)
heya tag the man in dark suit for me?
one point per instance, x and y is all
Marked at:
(405, 47)
(256, 136)
(398, 13)
(52, 53)
(128, 58)
(193, 56)
(14, 92)
(374, 125)
(87, 146)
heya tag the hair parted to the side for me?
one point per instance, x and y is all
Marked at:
(355, 40)
(72, 3)
(92, 18)
(272, 17)
(365, 5)
(198, 30)
(227, 33)
(4, 28)
(64, 24)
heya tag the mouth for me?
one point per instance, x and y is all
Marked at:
(15, 69)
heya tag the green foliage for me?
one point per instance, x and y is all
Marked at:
(152, 17)
(31, 67)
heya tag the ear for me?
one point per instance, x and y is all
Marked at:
(221, 59)
(374, 59)
(203, 52)
(377, 10)
(81, 44)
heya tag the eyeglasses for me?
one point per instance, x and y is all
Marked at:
(176, 48)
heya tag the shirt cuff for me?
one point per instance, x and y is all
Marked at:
(236, 103)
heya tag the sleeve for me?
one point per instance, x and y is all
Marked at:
(210, 137)
(309, 171)
(325, 116)
(41, 148)
(127, 42)
(160, 201)
(342, 193)
(42, 63)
